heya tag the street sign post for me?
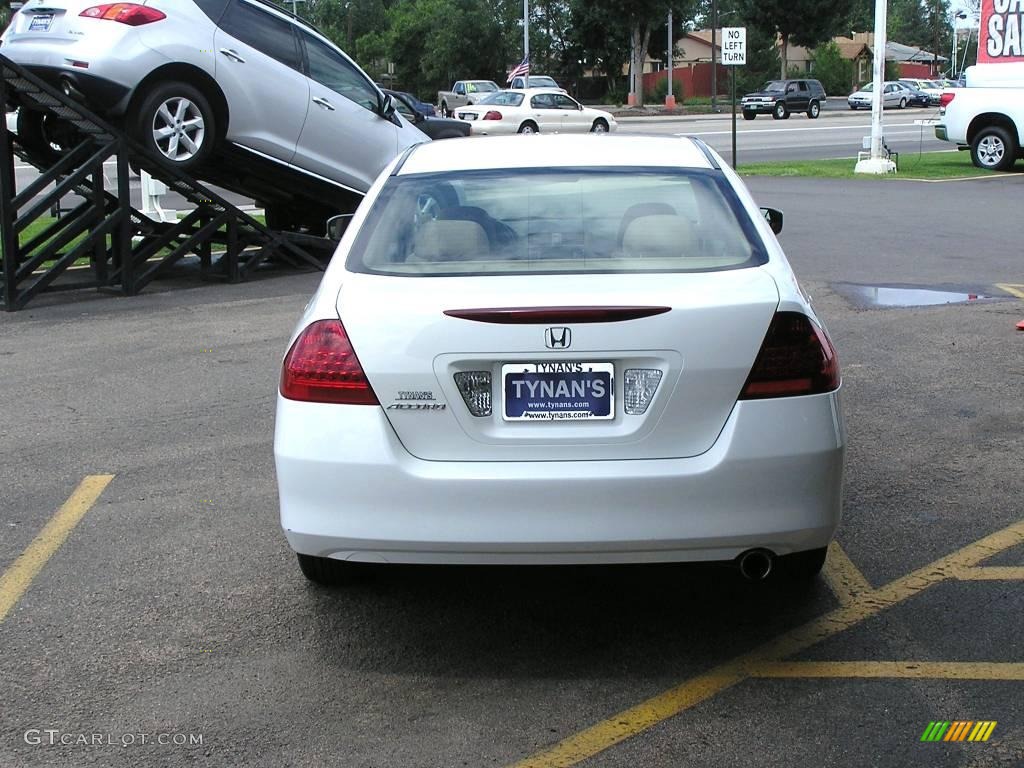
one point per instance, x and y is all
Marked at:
(734, 54)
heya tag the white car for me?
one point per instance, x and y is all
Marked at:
(534, 110)
(567, 350)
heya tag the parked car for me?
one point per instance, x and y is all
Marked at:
(781, 98)
(536, 81)
(503, 365)
(931, 89)
(434, 127)
(894, 94)
(421, 107)
(917, 98)
(537, 110)
(464, 92)
(186, 78)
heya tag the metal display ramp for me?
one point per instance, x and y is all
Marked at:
(102, 241)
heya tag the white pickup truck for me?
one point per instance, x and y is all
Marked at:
(464, 93)
(987, 116)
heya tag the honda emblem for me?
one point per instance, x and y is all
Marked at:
(557, 338)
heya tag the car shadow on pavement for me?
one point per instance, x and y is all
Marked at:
(552, 621)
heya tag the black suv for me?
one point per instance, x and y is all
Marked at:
(782, 98)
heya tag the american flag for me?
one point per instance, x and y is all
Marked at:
(523, 69)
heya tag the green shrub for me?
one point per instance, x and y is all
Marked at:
(616, 95)
(834, 72)
(658, 93)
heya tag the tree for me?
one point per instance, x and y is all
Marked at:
(598, 39)
(640, 18)
(834, 72)
(911, 22)
(426, 39)
(802, 22)
(344, 21)
(762, 59)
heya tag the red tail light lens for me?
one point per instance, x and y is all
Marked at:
(945, 98)
(796, 358)
(322, 367)
(127, 13)
(493, 115)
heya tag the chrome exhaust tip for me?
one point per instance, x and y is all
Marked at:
(756, 564)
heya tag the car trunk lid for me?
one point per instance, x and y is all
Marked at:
(701, 331)
(48, 21)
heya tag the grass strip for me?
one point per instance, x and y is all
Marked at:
(928, 165)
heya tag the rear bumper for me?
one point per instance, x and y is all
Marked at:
(491, 128)
(349, 490)
(104, 67)
(97, 92)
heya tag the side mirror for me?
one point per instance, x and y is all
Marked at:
(389, 111)
(336, 225)
(774, 218)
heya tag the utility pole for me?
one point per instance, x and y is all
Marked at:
(935, 54)
(670, 99)
(877, 162)
(714, 62)
(526, 37)
(348, 19)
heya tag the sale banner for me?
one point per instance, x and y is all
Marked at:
(1001, 39)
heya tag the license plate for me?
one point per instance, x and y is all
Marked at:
(41, 22)
(557, 391)
(468, 116)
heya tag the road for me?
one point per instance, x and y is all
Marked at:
(834, 134)
(175, 608)
(837, 133)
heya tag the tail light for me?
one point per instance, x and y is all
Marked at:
(322, 367)
(945, 98)
(493, 115)
(132, 14)
(796, 358)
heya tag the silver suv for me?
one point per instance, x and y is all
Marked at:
(184, 77)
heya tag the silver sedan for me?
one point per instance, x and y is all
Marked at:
(893, 95)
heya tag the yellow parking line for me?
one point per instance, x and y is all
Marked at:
(632, 721)
(1016, 289)
(16, 579)
(843, 577)
(937, 670)
(993, 573)
(639, 718)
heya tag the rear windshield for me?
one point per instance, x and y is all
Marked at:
(540, 221)
(503, 98)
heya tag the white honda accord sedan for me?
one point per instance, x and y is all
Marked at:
(584, 349)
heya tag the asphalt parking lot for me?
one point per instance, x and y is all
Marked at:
(151, 612)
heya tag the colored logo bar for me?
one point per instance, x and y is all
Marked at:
(958, 730)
